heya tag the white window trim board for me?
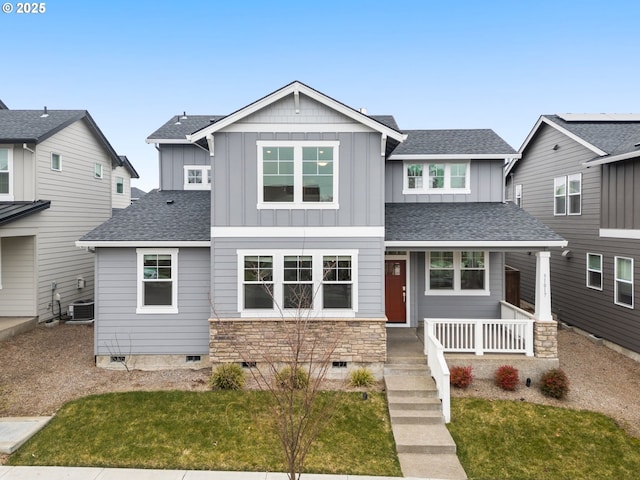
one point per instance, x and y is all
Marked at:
(205, 185)
(298, 232)
(9, 196)
(598, 271)
(60, 162)
(425, 190)
(615, 282)
(168, 309)
(457, 291)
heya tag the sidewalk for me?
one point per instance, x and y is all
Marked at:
(89, 473)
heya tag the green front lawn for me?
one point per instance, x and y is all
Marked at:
(525, 441)
(219, 430)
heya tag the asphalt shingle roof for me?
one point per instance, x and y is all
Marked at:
(178, 127)
(170, 215)
(10, 211)
(458, 222)
(613, 137)
(445, 142)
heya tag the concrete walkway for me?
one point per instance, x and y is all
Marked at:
(425, 447)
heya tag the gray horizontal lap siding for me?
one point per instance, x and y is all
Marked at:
(235, 182)
(224, 276)
(120, 331)
(173, 159)
(573, 302)
(457, 306)
(486, 184)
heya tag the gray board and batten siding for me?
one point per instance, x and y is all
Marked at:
(574, 303)
(224, 276)
(120, 331)
(621, 195)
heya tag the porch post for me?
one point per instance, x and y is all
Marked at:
(543, 287)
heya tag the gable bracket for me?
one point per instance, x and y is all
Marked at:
(383, 145)
(296, 100)
(210, 144)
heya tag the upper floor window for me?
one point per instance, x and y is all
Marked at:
(273, 283)
(624, 281)
(567, 194)
(302, 174)
(157, 280)
(56, 162)
(197, 177)
(518, 195)
(119, 185)
(457, 273)
(98, 170)
(6, 173)
(594, 271)
(436, 177)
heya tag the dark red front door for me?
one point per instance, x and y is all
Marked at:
(395, 290)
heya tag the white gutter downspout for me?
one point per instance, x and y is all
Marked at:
(35, 169)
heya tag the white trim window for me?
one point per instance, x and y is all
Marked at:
(457, 273)
(120, 185)
(157, 280)
(624, 281)
(288, 283)
(56, 162)
(567, 195)
(6, 174)
(436, 177)
(594, 271)
(518, 195)
(197, 177)
(298, 174)
(98, 170)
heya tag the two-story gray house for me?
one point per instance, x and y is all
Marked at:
(56, 170)
(580, 175)
(299, 203)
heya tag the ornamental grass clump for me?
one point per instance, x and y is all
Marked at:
(460, 377)
(506, 377)
(228, 376)
(361, 377)
(288, 379)
(554, 383)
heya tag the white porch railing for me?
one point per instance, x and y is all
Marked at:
(439, 371)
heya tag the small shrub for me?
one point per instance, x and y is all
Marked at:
(361, 377)
(554, 383)
(297, 380)
(460, 377)
(228, 376)
(506, 377)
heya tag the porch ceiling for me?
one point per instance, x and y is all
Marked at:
(502, 225)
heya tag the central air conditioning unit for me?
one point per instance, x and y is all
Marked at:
(81, 310)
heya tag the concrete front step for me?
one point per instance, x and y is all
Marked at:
(442, 467)
(401, 402)
(408, 360)
(411, 370)
(410, 386)
(403, 416)
(429, 439)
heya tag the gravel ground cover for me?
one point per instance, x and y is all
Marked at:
(42, 369)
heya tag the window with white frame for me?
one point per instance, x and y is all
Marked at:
(436, 177)
(120, 185)
(567, 195)
(56, 162)
(594, 271)
(287, 282)
(6, 174)
(157, 280)
(298, 174)
(98, 170)
(197, 177)
(457, 273)
(624, 281)
(518, 195)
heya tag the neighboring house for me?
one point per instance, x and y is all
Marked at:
(121, 184)
(297, 200)
(580, 175)
(136, 194)
(55, 185)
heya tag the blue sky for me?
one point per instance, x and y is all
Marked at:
(446, 64)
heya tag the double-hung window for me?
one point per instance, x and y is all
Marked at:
(98, 170)
(282, 282)
(298, 174)
(594, 271)
(624, 281)
(457, 273)
(56, 162)
(120, 185)
(436, 177)
(197, 177)
(157, 280)
(6, 173)
(567, 195)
